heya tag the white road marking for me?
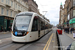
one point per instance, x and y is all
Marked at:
(0, 41)
(5, 40)
(24, 47)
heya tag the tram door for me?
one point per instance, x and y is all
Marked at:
(36, 25)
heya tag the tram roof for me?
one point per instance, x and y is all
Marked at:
(26, 12)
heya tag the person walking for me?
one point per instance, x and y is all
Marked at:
(74, 33)
(71, 30)
(68, 30)
(1, 28)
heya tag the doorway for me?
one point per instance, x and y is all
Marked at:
(8, 24)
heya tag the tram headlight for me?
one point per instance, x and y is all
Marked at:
(12, 32)
(27, 33)
(24, 33)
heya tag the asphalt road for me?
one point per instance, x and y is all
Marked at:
(3, 35)
(7, 44)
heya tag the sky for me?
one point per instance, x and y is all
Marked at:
(50, 8)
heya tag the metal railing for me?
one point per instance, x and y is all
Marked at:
(59, 41)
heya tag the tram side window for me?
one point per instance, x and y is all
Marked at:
(42, 25)
(46, 26)
(35, 25)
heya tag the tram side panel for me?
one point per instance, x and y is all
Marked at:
(41, 33)
(32, 36)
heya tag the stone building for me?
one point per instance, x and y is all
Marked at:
(61, 18)
(65, 13)
(72, 13)
(8, 10)
(33, 7)
(69, 13)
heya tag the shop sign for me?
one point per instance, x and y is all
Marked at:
(72, 21)
(8, 18)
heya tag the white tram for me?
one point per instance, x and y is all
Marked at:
(28, 27)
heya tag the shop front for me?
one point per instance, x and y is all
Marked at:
(72, 23)
(5, 23)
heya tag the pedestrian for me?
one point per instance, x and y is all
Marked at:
(67, 29)
(71, 30)
(9, 28)
(1, 28)
(74, 33)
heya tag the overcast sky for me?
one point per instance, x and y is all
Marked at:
(50, 8)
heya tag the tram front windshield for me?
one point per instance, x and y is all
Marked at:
(22, 22)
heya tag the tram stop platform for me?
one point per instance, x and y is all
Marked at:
(66, 40)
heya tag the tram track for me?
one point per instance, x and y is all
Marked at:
(20, 47)
(5, 45)
(2, 47)
(14, 46)
(11, 46)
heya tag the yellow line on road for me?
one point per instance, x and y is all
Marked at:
(48, 43)
(0, 41)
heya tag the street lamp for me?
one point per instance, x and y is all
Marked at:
(44, 12)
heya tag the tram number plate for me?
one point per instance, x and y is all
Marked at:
(19, 33)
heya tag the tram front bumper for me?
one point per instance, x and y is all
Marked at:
(19, 39)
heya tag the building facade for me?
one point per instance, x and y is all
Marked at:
(69, 11)
(61, 18)
(65, 13)
(8, 10)
(69, 14)
(33, 7)
(72, 13)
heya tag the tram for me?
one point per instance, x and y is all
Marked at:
(28, 27)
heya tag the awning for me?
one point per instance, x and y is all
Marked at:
(72, 21)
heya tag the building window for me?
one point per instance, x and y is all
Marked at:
(68, 16)
(73, 2)
(11, 13)
(16, 5)
(2, 10)
(2, 0)
(73, 13)
(7, 12)
(6, 1)
(11, 3)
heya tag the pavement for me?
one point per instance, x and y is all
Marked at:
(5, 32)
(66, 39)
(70, 35)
